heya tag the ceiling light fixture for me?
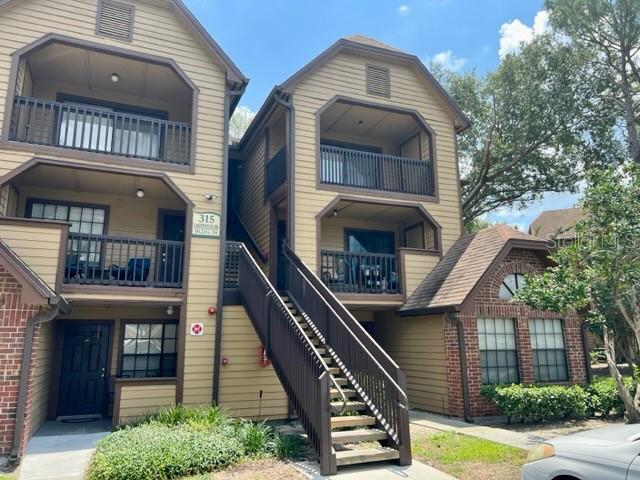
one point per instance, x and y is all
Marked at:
(170, 310)
(140, 193)
(115, 78)
(335, 212)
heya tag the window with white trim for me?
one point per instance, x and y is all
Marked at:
(549, 356)
(498, 353)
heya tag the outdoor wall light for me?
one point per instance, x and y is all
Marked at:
(335, 212)
(209, 196)
(140, 193)
(115, 78)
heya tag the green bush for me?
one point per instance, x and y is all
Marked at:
(162, 452)
(290, 446)
(179, 441)
(539, 403)
(604, 399)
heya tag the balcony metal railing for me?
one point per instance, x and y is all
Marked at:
(276, 171)
(348, 272)
(375, 171)
(123, 261)
(100, 130)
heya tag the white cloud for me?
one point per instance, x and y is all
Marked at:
(514, 33)
(403, 10)
(448, 60)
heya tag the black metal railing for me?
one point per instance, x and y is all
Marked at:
(375, 171)
(349, 272)
(299, 366)
(100, 130)
(276, 171)
(369, 368)
(123, 261)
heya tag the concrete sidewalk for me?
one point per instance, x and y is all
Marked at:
(499, 435)
(62, 450)
(373, 471)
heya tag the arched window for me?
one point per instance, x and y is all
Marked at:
(510, 284)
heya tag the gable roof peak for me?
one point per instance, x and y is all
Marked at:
(369, 41)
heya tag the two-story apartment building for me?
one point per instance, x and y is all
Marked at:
(144, 262)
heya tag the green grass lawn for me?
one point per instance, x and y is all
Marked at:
(7, 476)
(468, 457)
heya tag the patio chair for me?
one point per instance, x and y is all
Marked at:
(137, 270)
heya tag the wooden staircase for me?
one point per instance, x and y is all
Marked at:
(353, 433)
(348, 394)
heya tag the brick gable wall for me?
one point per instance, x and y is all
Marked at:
(13, 320)
(487, 304)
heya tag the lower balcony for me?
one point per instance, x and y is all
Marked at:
(350, 272)
(123, 261)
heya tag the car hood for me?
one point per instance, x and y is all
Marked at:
(603, 437)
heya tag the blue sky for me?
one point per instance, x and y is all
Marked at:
(270, 39)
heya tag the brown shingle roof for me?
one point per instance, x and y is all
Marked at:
(372, 42)
(451, 281)
(556, 223)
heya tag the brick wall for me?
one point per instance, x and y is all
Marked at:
(13, 319)
(486, 303)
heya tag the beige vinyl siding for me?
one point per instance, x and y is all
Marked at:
(415, 268)
(252, 208)
(139, 400)
(8, 201)
(242, 379)
(417, 345)
(42, 375)
(38, 246)
(344, 74)
(157, 31)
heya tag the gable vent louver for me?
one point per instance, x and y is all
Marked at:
(378, 81)
(115, 19)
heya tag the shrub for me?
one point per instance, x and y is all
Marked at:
(290, 446)
(162, 452)
(177, 415)
(256, 438)
(604, 399)
(539, 403)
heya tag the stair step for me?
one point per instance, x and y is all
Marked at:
(347, 391)
(366, 455)
(349, 407)
(359, 435)
(327, 360)
(352, 421)
(340, 381)
(334, 370)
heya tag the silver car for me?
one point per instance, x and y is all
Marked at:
(611, 453)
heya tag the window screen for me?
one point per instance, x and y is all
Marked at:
(498, 355)
(547, 343)
(149, 350)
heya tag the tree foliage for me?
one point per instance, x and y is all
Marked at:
(599, 273)
(529, 132)
(610, 31)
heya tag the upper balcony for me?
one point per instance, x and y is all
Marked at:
(76, 101)
(374, 149)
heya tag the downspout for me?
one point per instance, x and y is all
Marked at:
(463, 362)
(585, 351)
(279, 97)
(223, 243)
(27, 351)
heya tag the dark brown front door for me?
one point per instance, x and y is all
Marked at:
(84, 369)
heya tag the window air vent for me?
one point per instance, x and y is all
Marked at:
(115, 19)
(378, 82)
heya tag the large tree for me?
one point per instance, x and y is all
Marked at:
(529, 132)
(599, 273)
(610, 30)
